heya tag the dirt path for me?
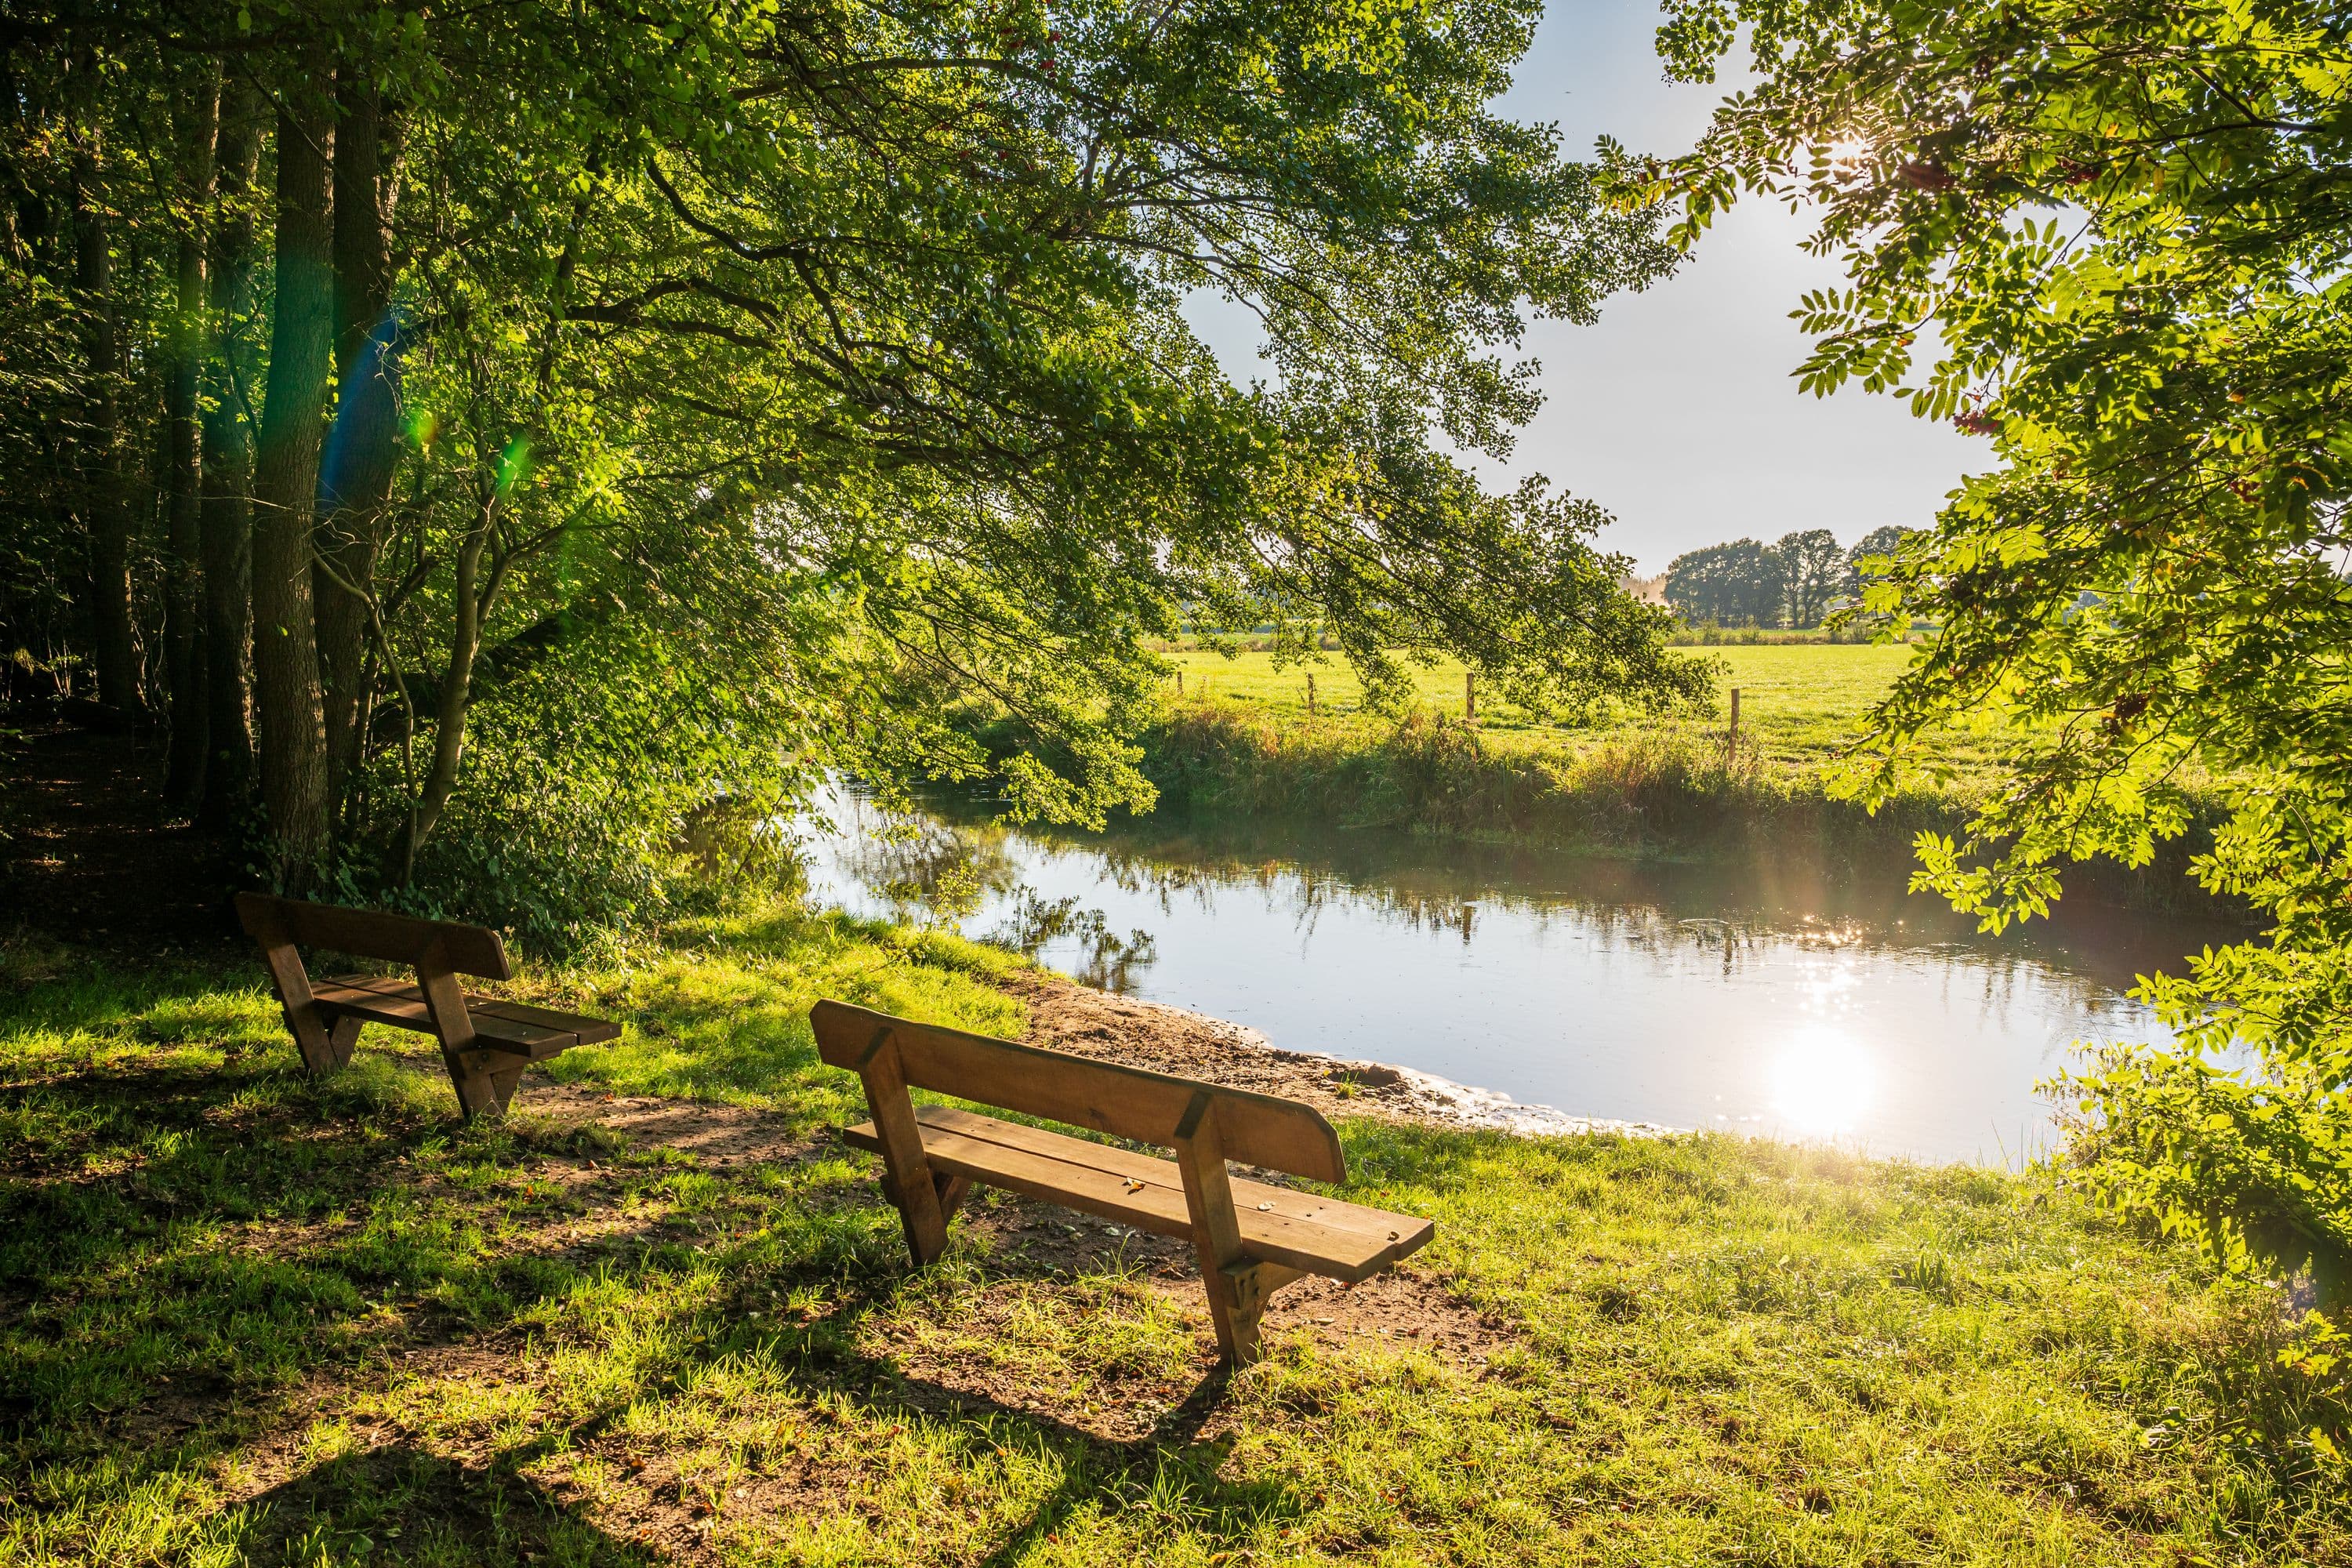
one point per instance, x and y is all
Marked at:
(1077, 1019)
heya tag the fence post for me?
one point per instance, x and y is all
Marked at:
(1735, 720)
(1180, 683)
(1310, 694)
(1470, 695)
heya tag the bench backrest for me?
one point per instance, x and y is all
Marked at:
(1124, 1101)
(371, 933)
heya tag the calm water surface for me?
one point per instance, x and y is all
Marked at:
(1764, 998)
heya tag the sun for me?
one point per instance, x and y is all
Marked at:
(1847, 155)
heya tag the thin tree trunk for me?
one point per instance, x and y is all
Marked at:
(105, 499)
(182, 505)
(227, 465)
(285, 488)
(457, 691)
(363, 446)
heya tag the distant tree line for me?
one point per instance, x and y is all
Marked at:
(1795, 583)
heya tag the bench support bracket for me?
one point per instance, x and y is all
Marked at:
(1237, 1288)
(922, 1197)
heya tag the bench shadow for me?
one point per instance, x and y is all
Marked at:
(1172, 1458)
(1177, 1431)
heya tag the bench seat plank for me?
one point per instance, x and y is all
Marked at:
(1305, 1231)
(511, 1028)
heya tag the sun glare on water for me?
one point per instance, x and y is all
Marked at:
(1823, 1082)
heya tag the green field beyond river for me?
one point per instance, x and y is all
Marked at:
(1799, 702)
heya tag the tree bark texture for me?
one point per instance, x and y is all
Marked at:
(227, 512)
(456, 690)
(287, 699)
(183, 639)
(105, 495)
(362, 445)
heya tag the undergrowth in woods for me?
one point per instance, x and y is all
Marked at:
(249, 1317)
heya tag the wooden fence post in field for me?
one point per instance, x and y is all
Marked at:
(1735, 720)
(1470, 695)
(1180, 683)
(1310, 694)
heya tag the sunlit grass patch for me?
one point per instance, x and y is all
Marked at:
(1798, 703)
(246, 1317)
(723, 1014)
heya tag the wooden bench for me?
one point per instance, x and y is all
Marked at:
(1252, 1238)
(486, 1043)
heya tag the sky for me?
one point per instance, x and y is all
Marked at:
(1677, 411)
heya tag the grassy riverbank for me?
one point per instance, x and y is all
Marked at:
(1238, 739)
(249, 1317)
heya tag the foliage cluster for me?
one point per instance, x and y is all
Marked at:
(425, 412)
(1795, 583)
(2126, 223)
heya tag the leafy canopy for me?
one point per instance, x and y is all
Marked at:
(811, 383)
(2125, 224)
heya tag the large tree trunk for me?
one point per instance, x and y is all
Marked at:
(227, 465)
(183, 509)
(363, 448)
(105, 499)
(285, 488)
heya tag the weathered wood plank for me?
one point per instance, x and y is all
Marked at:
(1338, 1213)
(1124, 1101)
(535, 1032)
(373, 934)
(1293, 1228)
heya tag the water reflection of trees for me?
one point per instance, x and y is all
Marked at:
(924, 870)
(1735, 913)
(928, 871)
(1106, 960)
(943, 867)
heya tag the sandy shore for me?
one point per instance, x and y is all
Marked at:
(1077, 1019)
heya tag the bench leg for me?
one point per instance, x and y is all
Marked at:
(914, 1189)
(1237, 1296)
(331, 1053)
(952, 1192)
(1236, 1326)
(483, 1092)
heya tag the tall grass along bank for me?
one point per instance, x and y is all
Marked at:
(1240, 737)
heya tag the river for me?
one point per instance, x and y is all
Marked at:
(1759, 997)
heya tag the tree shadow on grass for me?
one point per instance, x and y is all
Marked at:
(404, 1504)
(194, 1258)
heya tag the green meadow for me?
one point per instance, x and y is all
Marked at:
(249, 1317)
(1801, 704)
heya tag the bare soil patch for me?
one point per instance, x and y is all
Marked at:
(1068, 1016)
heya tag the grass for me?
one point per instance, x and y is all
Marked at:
(248, 1317)
(1237, 738)
(1799, 704)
